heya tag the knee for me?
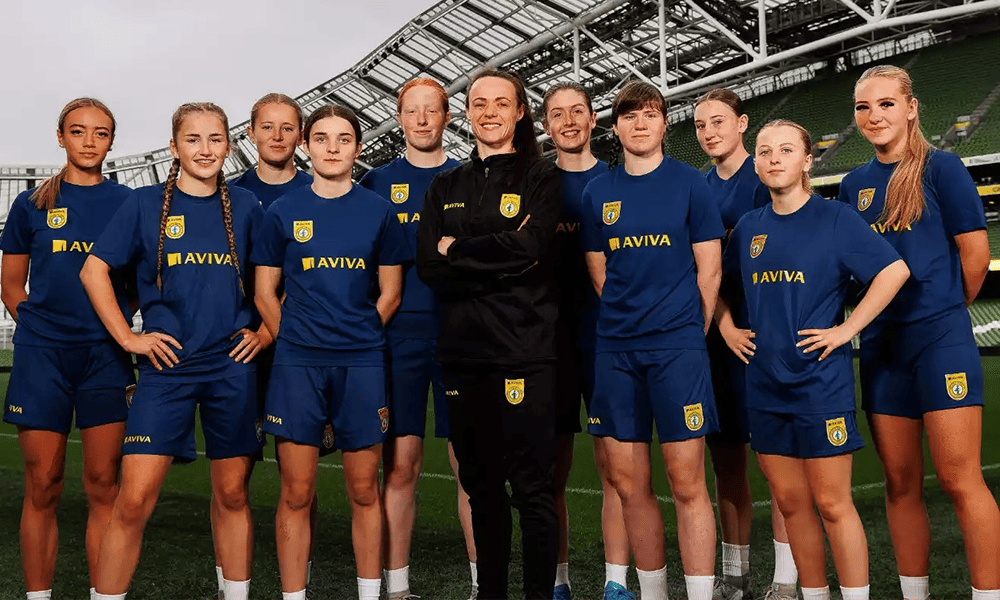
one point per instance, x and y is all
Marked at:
(134, 507)
(833, 508)
(101, 488)
(688, 487)
(45, 490)
(231, 496)
(791, 501)
(404, 474)
(959, 486)
(630, 488)
(905, 483)
(297, 495)
(363, 493)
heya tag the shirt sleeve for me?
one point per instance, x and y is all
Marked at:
(704, 220)
(513, 251)
(17, 234)
(367, 181)
(862, 252)
(590, 225)
(961, 207)
(269, 245)
(842, 193)
(393, 249)
(121, 242)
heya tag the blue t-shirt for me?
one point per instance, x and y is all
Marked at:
(405, 186)
(200, 304)
(645, 226)
(329, 250)
(951, 206)
(795, 270)
(57, 311)
(267, 193)
(578, 302)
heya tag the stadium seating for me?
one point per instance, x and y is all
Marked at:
(986, 138)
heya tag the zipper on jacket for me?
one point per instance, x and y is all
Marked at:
(485, 185)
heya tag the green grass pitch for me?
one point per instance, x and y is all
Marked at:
(177, 559)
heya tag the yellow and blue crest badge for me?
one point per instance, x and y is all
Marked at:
(958, 385)
(328, 437)
(175, 227)
(56, 218)
(510, 205)
(836, 431)
(383, 419)
(694, 416)
(757, 245)
(399, 192)
(865, 197)
(514, 390)
(611, 211)
(302, 230)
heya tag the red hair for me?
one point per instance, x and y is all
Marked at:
(427, 81)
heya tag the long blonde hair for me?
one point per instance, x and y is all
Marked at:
(46, 193)
(904, 197)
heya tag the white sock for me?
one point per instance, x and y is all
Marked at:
(475, 574)
(699, 587)
(369, 589)
(985, 594)
(309, 572)
(92, 592)
(855, 593)
(784, 565)
(915, 588)
(562, 574)
(653, 584)
(218, 577)
(397, 581)
(113, 596)
(822, 593)
(616, 573)
(236, 590)
(40, 595)
(733, 561)
(299, 595)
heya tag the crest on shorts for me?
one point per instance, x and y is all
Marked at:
(383, 418)
(694, 416)
(836, 431)
(56, 218)
(958, 385)
(129, 392)
(611, 211)
(175, 227)
(513, 389)
(258, 427)
(510, 205)
(302, 230)
(757, 245)
(399, 192)
(865, 197)
(328, 436)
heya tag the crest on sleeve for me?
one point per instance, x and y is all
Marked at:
(56, 218)
(611, 211)
(836, 431)
(383, 418)
(328, 437)
(958, 385)
(175, 227)
(514, 390)
(302, 230)
(865, 197)
(757, 245)
(694, 416)
(510, 205)
(399, 192)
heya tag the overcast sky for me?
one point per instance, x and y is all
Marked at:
(144, 58)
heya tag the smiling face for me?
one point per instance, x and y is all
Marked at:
(569, 121)
(201, 144)
(719, 129)
(641, 131)
(276, 132)
(86, 134)
(883, 113)
(332, 146)
(781, 158)
(494, 112)
(423, 117)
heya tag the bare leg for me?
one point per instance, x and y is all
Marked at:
(361, 479)
(404, 457)
(685, 466)
(233, 520)
(102, 459)
(464, 511)
(44, 466)
(830, 483)
(630, 474)
(612, 517)
(291, 523)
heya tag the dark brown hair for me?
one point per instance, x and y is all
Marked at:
(525, 143)
(725, 96)
(333, 110)
(575, 87)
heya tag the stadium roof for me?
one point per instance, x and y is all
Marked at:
(683, 46)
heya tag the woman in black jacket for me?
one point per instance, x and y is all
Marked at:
(484, 232)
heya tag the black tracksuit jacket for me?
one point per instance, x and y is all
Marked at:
(497, 299)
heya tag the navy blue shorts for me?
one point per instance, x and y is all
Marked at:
(303, 400)
(729, 382)
(412, 371)
(48, 384)
(909, 369)
(633, 388)
(804, 436)
(161, 418)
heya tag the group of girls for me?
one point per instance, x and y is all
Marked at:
(641, 335)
